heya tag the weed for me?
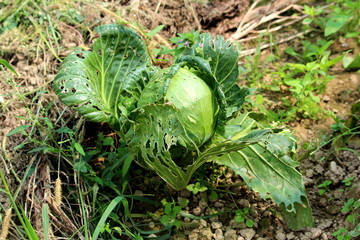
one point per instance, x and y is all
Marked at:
(242, 215)
(171, 211)
(340, 17)
(324, 187)
(351, 208)
(307, 80)
(196, 188)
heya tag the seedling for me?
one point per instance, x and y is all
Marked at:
(171, 210)
(324, 187)
(348, 181)
(196, 188)
(241, 215)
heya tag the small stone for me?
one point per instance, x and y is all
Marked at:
(319, 169)
(216, 225)
(335, 168)
(197, 211)
(324, 236)
(206, 233)
(309, 173)
(290, 236)
(230, 234)
(315, 233)
(203, 223)
(247, 233)
(323, 202)
(240, 238)
(219, 234)
(218, 204)
(193, 236)
(244, 203)
(280, 236)
(304, 237)
(151, 224)
(332, 209)
(326, 98)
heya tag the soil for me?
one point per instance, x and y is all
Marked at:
(37, 67)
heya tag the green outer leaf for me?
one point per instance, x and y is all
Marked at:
(156, 89)
(154, 149)
(272, 176)
(105, 83)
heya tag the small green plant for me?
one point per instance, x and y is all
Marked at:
(241, 216)
(308, 79)
(171, 211)
(351, 208)
(324, 187)
(348, 182)
(196, 188)
(340, 17)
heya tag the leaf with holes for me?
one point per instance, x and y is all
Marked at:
(104, 84)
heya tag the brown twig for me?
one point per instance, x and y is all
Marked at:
(253, 50)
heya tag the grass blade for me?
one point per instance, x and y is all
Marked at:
(45, 220)
(106, 214)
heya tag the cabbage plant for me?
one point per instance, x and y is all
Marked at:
(176, 119)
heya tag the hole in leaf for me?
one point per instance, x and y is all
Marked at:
(96, 107)
(73, 90)
(80, 55)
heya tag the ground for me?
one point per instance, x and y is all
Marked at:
(28, 99)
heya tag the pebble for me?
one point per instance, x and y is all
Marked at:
(203, 223)
(244, 203)
(280, 236)
(324, 236)
(247, 233)
(230, 234)
(207, 233)
(151, 225)
(304, 237)
(216, 225)
(323, 202)
(319, 169)
(326, 98)
(218, 204)
(197, 211)
(219, 234)
(309, 173)
(290, 236)
(315, 233)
